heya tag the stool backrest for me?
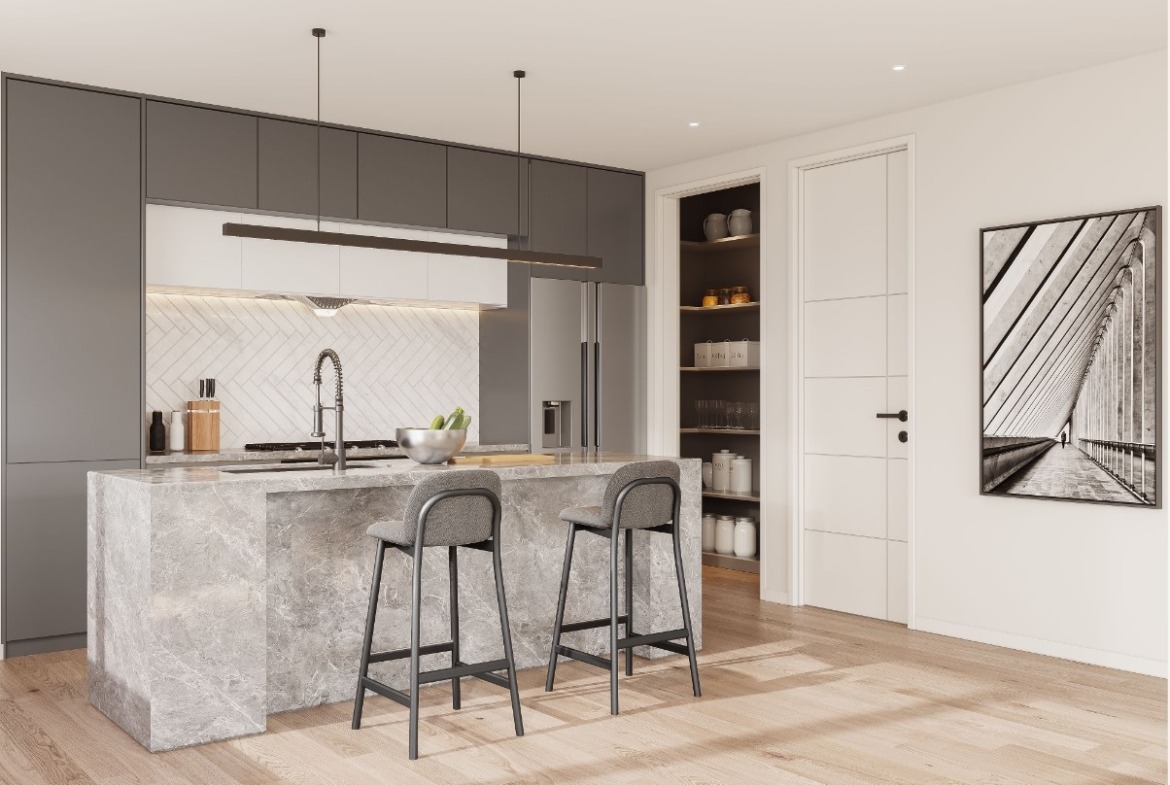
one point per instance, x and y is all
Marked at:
(458, 520)
(645, 506)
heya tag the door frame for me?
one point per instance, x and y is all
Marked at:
(662, 338)
(796, 175)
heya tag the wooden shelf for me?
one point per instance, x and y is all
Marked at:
(731, 562)
(726, 244)
(739, 497)
(720, 308)
(721, 431)
(719, 369)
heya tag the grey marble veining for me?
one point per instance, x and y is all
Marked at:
(216, 599)
(240, 455)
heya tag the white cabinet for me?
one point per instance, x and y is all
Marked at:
(457, 279)
(383, 275)
(187, 252)
(281, 267)
(186, 249)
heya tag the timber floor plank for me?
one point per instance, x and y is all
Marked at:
(791, 696)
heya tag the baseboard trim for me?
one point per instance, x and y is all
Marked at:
(1064, 651)
(44, 645)
(774, 596)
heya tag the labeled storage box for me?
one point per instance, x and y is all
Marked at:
(743, 354)
(720, 354)
(703, 355)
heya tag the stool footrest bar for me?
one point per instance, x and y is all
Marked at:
(492, 678)
(653, 639)
(459, 671)
(373, 685)
(401, 654)
(591, 624)
(585, 657)
(676, 648)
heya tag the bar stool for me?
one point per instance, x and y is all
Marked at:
(640, 496)
(452, 509)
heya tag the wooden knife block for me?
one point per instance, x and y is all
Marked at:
(203, 426)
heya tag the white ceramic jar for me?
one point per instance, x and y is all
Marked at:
(177, 434)
(715, 227)
(708, 531)
(708, 474)
(745, 537)
(739, 222)
(721, 471)
(740, 476)
(725, 535)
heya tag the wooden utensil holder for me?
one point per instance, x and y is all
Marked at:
(203, 426)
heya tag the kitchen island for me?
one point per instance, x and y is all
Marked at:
(217, 596)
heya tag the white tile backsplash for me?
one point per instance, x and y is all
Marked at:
(402, 366)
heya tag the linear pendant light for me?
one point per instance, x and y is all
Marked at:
(318, 237)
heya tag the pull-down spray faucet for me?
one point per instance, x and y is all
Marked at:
(338, 407)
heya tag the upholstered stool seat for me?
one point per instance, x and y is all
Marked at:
(640, 496)
(451, 509)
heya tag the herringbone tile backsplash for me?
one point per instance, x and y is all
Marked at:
(402, 365)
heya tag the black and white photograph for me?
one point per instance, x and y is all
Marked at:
(1070, 351)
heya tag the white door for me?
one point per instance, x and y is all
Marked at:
(855, 341)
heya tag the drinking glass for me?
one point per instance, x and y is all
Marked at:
(753, 416)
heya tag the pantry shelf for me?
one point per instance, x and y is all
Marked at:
(728, 561)
(722, 431)
(718, 369)
(726, 244)
(720, 308)
(741, 497)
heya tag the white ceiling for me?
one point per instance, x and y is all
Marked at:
(610, 81)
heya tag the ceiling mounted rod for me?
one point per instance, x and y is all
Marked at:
(318, 237)
(415, 246)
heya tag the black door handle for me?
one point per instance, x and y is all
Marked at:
(901, 416)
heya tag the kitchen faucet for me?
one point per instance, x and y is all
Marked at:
(338, 407)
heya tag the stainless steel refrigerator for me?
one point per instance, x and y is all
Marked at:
(587, 371)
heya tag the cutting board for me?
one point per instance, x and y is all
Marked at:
(505, 459)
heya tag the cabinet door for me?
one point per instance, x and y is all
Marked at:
(202, 156)
(73, 294)
(45, 547)
(291, 268)
(401, 181)
(458, 279)
(186, 249)
(482, 191)
(616, 225)
(379, 274)
(288, 169)
(558, 215)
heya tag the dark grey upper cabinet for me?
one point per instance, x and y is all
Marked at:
(616, 225)
(288, 169)
(401, 181)
(558, 215)
(45, 564)
(482, 191)
(73, 230)
(197, 155)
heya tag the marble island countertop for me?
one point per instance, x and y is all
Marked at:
(218, 595)
(240, 455)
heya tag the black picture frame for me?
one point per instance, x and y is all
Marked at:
(1050, 319)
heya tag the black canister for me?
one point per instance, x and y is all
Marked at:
(158, 433)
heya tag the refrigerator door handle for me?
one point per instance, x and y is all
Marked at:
(597, 396)
(584, 395)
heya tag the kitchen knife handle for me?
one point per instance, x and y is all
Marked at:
(211, 388)
(584, 395)
(202, 389)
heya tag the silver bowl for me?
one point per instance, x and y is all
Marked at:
(424, 445)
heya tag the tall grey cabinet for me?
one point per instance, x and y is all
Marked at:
(72, 265)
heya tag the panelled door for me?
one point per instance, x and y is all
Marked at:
(855, 347)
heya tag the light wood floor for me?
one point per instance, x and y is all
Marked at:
(790, 696)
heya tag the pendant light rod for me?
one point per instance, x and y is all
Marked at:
(318, 33)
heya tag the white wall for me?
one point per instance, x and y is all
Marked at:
(1080, 581)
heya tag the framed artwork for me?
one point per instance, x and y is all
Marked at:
(1071, 328)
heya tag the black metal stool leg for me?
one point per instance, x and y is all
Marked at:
(686, 608)
(556, 637)
(517, 720)
(367, 643)
(629, 598)
(453, 573)
(613, 621)
(415, 642)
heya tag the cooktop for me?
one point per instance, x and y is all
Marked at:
(299, 446)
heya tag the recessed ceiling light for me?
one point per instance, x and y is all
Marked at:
(693, 125)
(899, 68)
